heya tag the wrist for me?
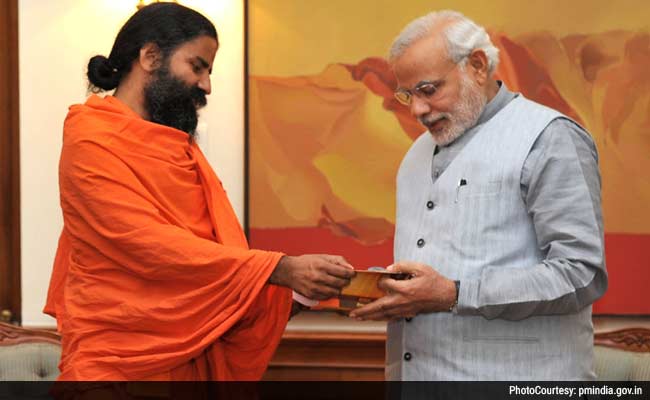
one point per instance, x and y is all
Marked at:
(454, 305)
(280, 275)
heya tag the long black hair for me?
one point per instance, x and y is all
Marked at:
(167, 25)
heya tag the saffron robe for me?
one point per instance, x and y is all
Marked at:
(153, 277)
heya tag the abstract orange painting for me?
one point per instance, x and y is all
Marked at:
(326, 136)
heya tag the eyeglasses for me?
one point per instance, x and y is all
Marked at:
(424, 89)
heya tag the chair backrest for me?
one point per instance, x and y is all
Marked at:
(622, 355)
(28, 354)
(32, 355)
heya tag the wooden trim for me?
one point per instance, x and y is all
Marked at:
(334, 336)
(631, 339)
(328, 356)
(12, 335)
(10, 292)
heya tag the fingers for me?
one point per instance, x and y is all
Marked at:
(333, 282)
(320, 277)
(390, 285)
(316, 291)
(337, 270)
(339, 260)
(395, 283)
(383, 309)
(372, 311)
(409, 267)
(385, 284)
(382, 314)
(330, 279)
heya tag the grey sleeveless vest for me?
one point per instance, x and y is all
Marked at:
(479, 222)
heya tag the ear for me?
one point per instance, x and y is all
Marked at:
(150, 57)
(478, 65)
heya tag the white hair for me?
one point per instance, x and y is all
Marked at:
(462, 37)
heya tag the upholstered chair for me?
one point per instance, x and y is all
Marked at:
(28, 354)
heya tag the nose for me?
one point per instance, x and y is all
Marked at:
(419, 107)
(205, 85)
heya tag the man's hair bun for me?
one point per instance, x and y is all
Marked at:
(101, 74)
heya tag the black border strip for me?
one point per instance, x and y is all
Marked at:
(324, 390)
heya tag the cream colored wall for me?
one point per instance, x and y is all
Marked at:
(56, 40)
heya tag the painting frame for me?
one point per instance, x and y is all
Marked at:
(621, 245)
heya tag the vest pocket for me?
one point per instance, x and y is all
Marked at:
(502, 339)
(514, 340)
(499, 331)
(478, 189)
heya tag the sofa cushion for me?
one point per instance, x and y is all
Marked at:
(620, 365)
(29, 362)
(28, 354)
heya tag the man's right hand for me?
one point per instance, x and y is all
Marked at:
(316, 276)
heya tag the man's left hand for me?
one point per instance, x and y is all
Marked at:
(426, 291)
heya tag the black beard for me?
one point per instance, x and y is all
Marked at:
(171, 102)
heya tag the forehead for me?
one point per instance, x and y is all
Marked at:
(426, 59)
(201, 46)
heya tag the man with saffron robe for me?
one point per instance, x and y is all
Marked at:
(153, 278)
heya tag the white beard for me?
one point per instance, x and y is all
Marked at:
(463, 116)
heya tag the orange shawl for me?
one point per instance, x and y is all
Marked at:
(153, 271)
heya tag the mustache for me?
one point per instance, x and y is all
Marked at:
(431, 119)
(198, 96)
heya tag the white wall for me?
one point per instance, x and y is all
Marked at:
(56, 40)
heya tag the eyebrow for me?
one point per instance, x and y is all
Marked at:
(426, 82)
(204, 63)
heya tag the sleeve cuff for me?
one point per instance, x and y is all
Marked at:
(468, 297)
(305, 301)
